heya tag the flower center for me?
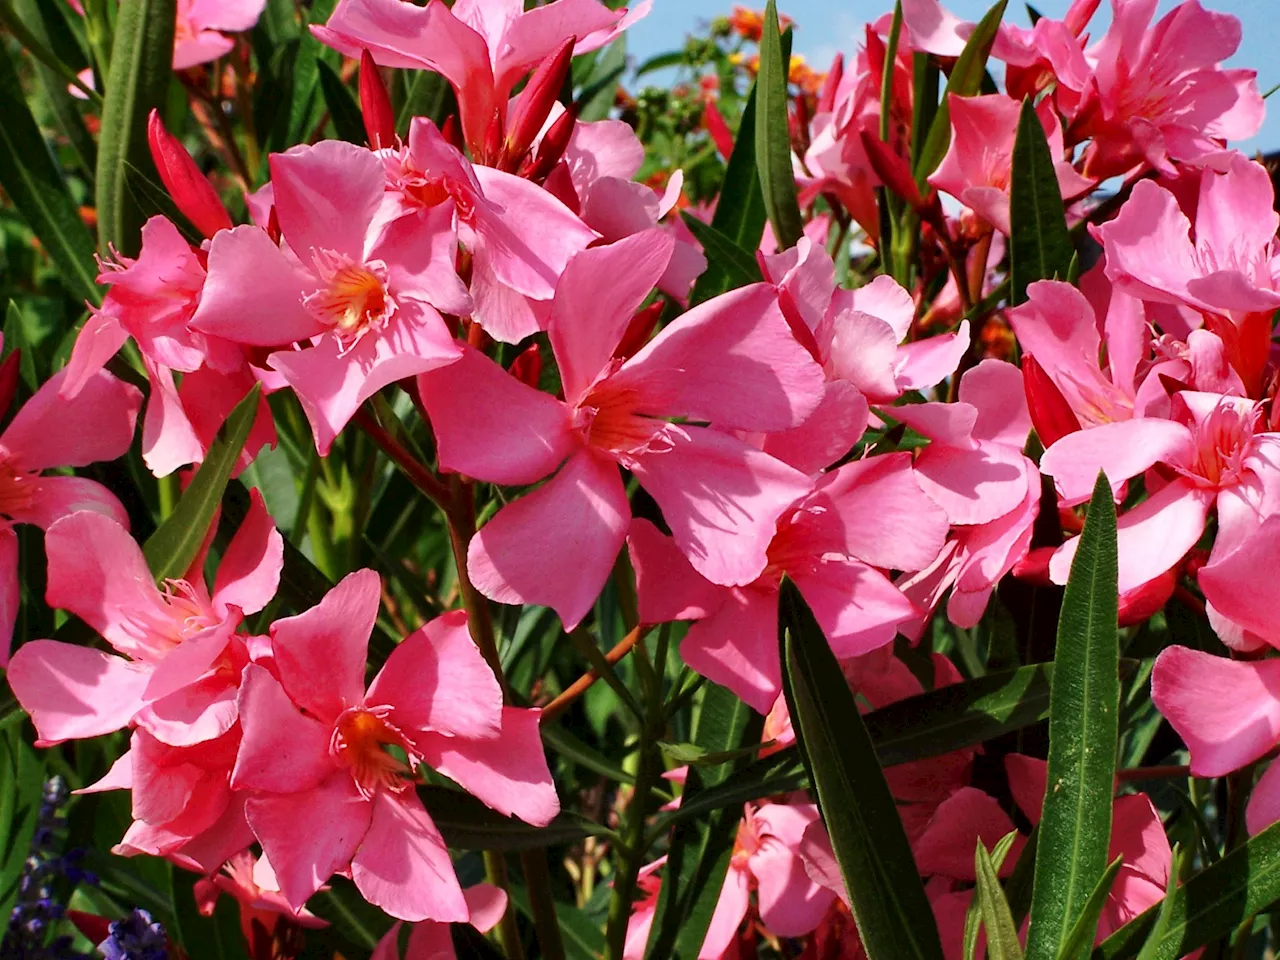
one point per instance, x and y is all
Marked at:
(191, 611)
(1224, 440)
(607, 419)
(354, 299)
(359, 742)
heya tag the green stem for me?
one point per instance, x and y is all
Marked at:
(630, 859)
(495, 873)
(537, 878)
(462, 527)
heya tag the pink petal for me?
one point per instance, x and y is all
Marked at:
(737, 646)
(203, 47)
(925, 363)
(196, 713)
(791, 904)
(1123, 449)
(253, 294)
(508, 773)
(972, 486)
(189, 660)
(864, 351)
(1264, 802)
(75, 692)
(555, 546)
(534, 34)
(487, 904)
(752, 374)
(96, 424)
(667, 586)
(727, 917)
(403, 865)
(721, 499)
(1233, 585)
(208, 397)
(507, 315)
(99, 340)
(168, 439)
(1226, 711)
(1137, 834)
(595, 299)
(326, 195)
(493, 427)
(250, 569)
(436, 679)
(419, 250)
(1149, 253)
(963, 820)
(283, 751)
(995, 388)
(57, 497)
(310, 836)
(320, 654)
(831, 431)
(232, 16)
(857, 606)
(1028, 781)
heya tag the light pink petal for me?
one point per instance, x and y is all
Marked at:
(233, 16)
(436, 679)
(927, 362)
(964, 819)
(819, 859)
(196, 713)
(791, 903)
(667, 586)
(827, 435)
(948, 423)
(52, 431)
(751, 373)
(1264, 802)
(320, 654)
(995, 389)
(857, 606)
(57, 497)
(507, 315)
(728, 914)
(1235, 209)
(535, 34)
(168, 439)
(1226, 711)
(508, 773)
(721, 499)
(250, 569)
(596, 297)
(1149, 253)
(1058, 327)
(326, 195)
(189, 660)
(403, 866)
(604, 148)
(493, 427)
(119, 777)
(75, 692)
(972, 486)
(203, 47)
(864, 350)
(934, 29)
(1235, 588)
(1123, 449)
(737, 646)
(99, 340)
(555, 546)
(419, 250)
(310, 836)
(283, 751)
(487, 904)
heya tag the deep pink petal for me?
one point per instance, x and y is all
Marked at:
(1028, 782)
(493, 427)
(168, 439)
(555, 546)
(735, 899)
(857, 606)
(1264, 802)
(75, 692)
(963, 820)
(737, 646)
(1123, 449)
(250, 569)
(283, 751)
(320, 654)
(57, 497)
(1235, 588)
(326, 195)
(52, 431)
(667, 586)
(196, 713)
(827, 435)
(189, 660)
(436, 679)
(972, 486)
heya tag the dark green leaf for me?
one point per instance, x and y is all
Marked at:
(1085, 929)
(467, 824)
(344, 108)
(1040, 246)
(737, 265)
(1084, 710)
(35, 186)
(354, 919)
(674, 58)
(582, 937)
(174, 545)
(15, 339)
(773, 136)
(37, 45)
(141, 70)
(429, 96)
(600, 89)
(206, 938)
(304, 107)
(885, 891)
(965, 81)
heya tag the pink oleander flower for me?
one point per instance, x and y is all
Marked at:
(520, 237)
(252, 883)
(151, 300)
(363, 292)
(482, 47)
(1227, 712)
(978, 166)
(868, 516)
(765, 861)
(203, 25)
(1159, 96)
(180, 658)
(974, 469)
(1227, 268)
(731, 361)
(52, 431)
(431, 940)
(1213, 454)
(326, 794)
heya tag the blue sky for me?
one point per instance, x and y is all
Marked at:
(825, 26)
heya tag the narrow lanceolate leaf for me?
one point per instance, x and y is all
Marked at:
(1002, 933)
(35, 186)
(773, 136)
(889, 904)
(1040, 246)
(965, 81)
(170, 550)
(141, 70)
(975, 917)
(1083, 931)
(736, 263)
(698, 857)
(1084, 708)
(429, 96)
(467, 824)
(344, 109)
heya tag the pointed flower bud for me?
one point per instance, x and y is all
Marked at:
(527, 367)
(639, 330)
(9, 378)
(379, 118)
(191, 192)
(554, 143)
(713, 121)
(535, 102)
(452, 133)
(1051, 415)
(892, 170)
(827, 95)
(493, 140)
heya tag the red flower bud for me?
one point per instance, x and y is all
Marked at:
(553, 145)
(492, 140)
(379, 118)
(1142, 602)
(713, 121)
(1051, 415)
(1034, 567)
(893, 171)
(827, 95)
(452, 132)
(534, 105)
(9, 378)
(527, 368)
(191, 192)
(639, 330)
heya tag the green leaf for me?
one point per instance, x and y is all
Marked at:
(1040, 245)
(1084, 711)
(965, 81)
(599, 90)
(354, 919)
(582, 937)
(737, 265)
(885, 891)
(683, 754)
(974, 917)
(344, 108)
(34, 185)
(138, 80)
(700, 850)
(1002, 932)
(429, 96)
(674, 58)
(304, 108)
(174, 545)
(467, 824)
(773, 136)
(15, 339)
(206, 938)
(1085, 929)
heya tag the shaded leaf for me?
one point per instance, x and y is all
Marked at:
(1085, 929)
(1040, 245)
(344, 108)
(773, 136)
(466, 823)
(737, 265)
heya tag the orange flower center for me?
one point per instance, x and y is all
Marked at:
(354, 299)
(359, 742)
